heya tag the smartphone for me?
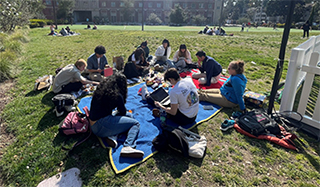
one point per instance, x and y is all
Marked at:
(208, 107)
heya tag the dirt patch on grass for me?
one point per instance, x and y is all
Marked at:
(5, 137)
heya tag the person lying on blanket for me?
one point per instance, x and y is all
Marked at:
(210, 69)
(110, 94)
(231, 92)
(184, 99)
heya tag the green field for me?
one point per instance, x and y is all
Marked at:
(232, 159)
(180, 28)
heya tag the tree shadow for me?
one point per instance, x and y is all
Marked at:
(89, 156)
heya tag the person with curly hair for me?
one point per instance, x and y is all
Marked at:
(96, 64)
(231, 93)
(112, 93)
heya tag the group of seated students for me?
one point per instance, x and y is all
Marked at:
(213, 31)
(111, 92)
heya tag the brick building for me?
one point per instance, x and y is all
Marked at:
(112, 11)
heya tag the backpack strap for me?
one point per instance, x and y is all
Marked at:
(86, 110)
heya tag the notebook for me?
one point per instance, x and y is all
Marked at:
(161, 95)
(162, 58)
(108, 72)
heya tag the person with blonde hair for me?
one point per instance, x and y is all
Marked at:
(231, 92)
(69, 78)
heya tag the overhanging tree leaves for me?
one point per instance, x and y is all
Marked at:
(65, 7)
(17, 13)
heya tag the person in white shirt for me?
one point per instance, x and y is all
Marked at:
(163, 50)
(184, 99)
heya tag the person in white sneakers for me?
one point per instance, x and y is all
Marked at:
(112, 93)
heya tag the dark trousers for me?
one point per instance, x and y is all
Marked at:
(304, 33)
(71, 87)
(181, 119)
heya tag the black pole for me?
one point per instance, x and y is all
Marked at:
(142, 15)
(279, 69)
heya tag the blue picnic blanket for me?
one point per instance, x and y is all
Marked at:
(149, 127)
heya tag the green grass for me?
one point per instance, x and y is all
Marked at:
(231, 159)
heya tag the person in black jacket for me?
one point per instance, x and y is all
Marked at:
(210, 69)
(306, 27)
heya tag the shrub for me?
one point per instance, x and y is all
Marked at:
(34, 25)
(280, 25)
(314, 27)
(4, 69)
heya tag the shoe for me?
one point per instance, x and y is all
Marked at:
(131, 152)
(156, 112)
(144, 92)
(58, 114)
(227, 124)
(112, 141)
(69, 108)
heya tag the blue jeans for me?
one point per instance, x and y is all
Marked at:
(170, 64)
(114, 125)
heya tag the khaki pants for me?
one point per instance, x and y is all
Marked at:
(96, 76)
(214, 96)
(202, 77)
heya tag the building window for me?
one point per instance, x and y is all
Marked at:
(158, 5)
(104, 4)
(176, 4)
(209, 5)
(140, 5)
(201, 5)
(113, 4)
(122, 4)
(150, 5)
(48, 2)
(184, 5)
(193, 5)
(218, 7)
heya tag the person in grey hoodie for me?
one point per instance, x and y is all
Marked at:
(210, 69)
(231, 92)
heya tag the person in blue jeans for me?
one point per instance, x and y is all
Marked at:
(111, 93)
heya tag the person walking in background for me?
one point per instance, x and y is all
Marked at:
(210, 69)
(306, 27)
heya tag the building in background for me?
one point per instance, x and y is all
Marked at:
(113, 11)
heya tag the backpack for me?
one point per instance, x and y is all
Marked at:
(181, 140)
(76, 123)
(44, 82)
(257, 122)
(118, 62)
(61, 100)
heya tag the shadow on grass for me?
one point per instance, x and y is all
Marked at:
(47, 99)
(49, 120)
(34, 93)
(89, 157)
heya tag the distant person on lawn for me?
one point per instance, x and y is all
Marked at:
(210, 69)
(306, 27)
(69, 78)
(96, 64)
(231, 93)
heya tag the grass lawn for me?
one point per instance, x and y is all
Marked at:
(231, 159)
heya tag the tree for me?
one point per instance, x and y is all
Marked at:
(280, 7)
(65, 7)
(199, 19)
(17, 13)
(153, 18)
(178, 15)
(127, 10)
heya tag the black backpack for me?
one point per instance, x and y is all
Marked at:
(257, 122)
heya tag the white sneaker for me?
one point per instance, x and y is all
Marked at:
(69, 108)
(112, 141)
(131, 152)
(144, 92)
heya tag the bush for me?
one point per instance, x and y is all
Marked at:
(39, 22)
(280, 25)
(34, 25)
(315, 27)
(4, 69)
